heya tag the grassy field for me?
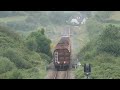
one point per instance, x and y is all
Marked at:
(13, 19)
(115, 15)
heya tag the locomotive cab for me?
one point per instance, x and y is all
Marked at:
(62, 59)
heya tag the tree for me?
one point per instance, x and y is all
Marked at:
(109, 40)
(6, 65)
(43, 45)
(40, 43)
(42, 31)
(31, 44)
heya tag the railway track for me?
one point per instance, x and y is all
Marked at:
(55, 75)
(67, 75)
(61, 75)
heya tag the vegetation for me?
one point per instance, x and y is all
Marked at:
(30, 50)
(18, 60)
(5, 65)
(102, 16)
(27, 39)
(38, 42)
(30, 20)
(102, 52)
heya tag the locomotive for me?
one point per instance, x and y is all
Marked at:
(62, 54)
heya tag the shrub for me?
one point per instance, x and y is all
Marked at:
(45, 57)
(31, 44)
(16, 74)
(109, 40)
(5, 65)
(39, 42)
(6, 30)
(103, 53)
(17, 58)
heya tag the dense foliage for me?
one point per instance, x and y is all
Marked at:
(103, 52)
(18, 61)
(38, 42)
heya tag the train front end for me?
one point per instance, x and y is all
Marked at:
(61, 59)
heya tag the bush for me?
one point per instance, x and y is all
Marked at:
(105, 58)
(109, 40)
(8, 32)
(31, 44)
(34, 58)
(16, 57)
(103, 53)
(44, 45)
(6, 65)
(104, 66)
(79, 73)
(32, 73)
(16, 74)
(40, 41)
(45, 57)
(16, 60)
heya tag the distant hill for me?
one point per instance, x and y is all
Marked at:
(30, 20)
(11, 13)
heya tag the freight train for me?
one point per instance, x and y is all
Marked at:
(62, 54)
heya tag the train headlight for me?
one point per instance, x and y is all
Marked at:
(64, 61)
(58, 62)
